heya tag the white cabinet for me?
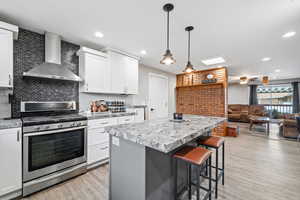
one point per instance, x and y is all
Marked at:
(98, 139)
(11, 160)
(94, 70)
(124, 73)
(131, 75)
(6, 58)
(126, 119)
(111, 73)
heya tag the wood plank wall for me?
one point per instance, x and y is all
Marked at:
(210, 99)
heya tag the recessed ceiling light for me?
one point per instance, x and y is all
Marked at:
(289, 34)
(277, 70)
(213, 61)
(266, 59)
(99, 35)
(143, 52)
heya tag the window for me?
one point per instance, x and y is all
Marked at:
(278, 99)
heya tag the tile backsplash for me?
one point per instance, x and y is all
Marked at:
(5, 107)
(29, 51)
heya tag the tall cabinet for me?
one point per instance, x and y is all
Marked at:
(112, 72)
(7, 33)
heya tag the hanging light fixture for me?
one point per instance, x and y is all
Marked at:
(243, 80)
(265, 80)
(168, 57)
(189, 67)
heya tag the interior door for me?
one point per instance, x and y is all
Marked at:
(158, 96)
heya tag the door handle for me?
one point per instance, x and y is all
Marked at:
(18, 136)
(152, 109)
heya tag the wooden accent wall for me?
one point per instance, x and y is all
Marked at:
(209, 99)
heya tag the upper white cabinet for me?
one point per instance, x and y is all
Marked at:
(7, 34)
(125, 73)
(94, 70)
(112, 72)
(11, 160)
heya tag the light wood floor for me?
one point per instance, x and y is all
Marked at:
(257, 168)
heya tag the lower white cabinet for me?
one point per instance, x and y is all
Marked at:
(11, 160)
(126, 119)
(98, 138)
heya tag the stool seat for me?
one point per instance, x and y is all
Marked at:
(211, 141)
(193, 155)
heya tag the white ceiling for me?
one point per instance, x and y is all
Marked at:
(243, 32)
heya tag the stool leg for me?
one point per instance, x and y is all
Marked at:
(198, 183)
(223, 164)
(190, 180)
(175, 182)
(217, 171)
(210, 177)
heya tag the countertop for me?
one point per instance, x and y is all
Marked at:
(163, 134)
(92, 116)
(10, 123)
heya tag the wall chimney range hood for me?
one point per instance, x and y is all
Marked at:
(52, 67)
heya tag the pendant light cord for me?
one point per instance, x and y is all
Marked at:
(189, 46)
(168, 30)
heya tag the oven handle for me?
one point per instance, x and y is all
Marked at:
(54, 131)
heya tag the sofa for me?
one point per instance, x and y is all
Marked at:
(290, 129)
(242, 113)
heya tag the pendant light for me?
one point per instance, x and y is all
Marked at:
(168, 57)
(189, 67)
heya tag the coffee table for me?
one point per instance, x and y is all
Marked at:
(260, 120)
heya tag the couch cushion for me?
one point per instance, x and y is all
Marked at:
(290, 122)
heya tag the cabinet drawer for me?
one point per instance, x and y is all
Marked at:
(98, 123)
(97, 136)
(98, 152)
(126, 120)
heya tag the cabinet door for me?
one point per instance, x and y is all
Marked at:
(97, 74)
(6, 58)
(118, 73)
(132, 74)
(11, 160)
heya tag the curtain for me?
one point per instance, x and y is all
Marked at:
(296, 103)
(253, 95)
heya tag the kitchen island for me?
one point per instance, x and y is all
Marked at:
(141, 164)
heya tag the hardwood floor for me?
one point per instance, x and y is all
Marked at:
(257, 168)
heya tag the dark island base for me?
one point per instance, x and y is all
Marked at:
(141, 173)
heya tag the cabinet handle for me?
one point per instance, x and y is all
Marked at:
(127, 120)
(18, 136)
(104, 123)
(102, 148)
(9, 79)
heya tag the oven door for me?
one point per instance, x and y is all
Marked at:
(50, 151)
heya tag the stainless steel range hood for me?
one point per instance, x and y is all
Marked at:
(52, 68)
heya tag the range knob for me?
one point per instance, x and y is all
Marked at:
(73, 124)
(78, 123)
(38, 128)
(59, 125)
(47, 127)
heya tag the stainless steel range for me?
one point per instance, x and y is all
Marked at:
(54, 144)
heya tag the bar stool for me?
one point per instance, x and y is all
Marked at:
(194, 156)
(215, 143)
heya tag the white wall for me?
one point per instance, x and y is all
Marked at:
(143, 94)
(238, 94)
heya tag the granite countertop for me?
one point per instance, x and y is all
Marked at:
(164, 135)
(10, 123)
(91, 115)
